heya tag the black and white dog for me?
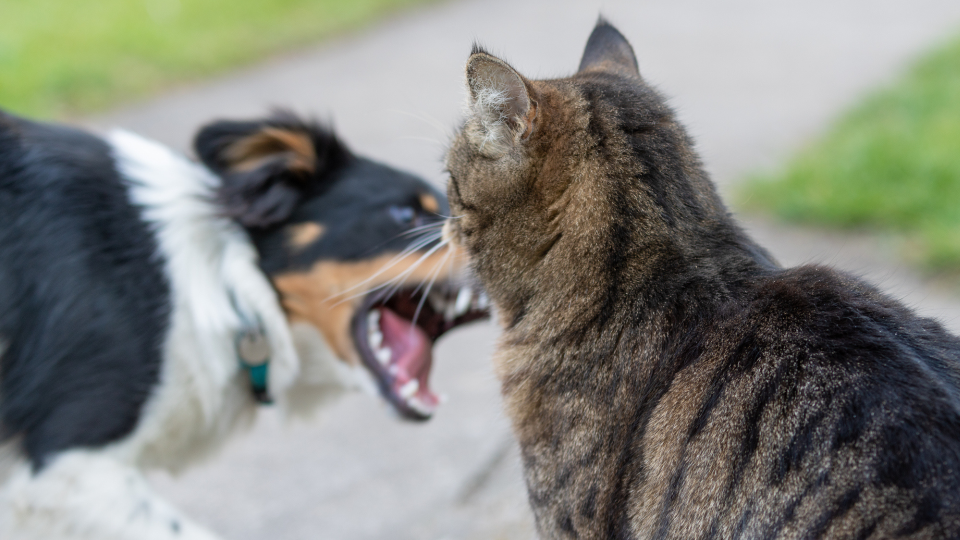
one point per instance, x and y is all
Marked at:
(148, 303)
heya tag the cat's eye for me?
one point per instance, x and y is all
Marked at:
(404, 215)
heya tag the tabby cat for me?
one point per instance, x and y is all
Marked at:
(664, 376)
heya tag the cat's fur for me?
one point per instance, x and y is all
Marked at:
(664, 376)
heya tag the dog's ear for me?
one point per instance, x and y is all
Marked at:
(268, 166)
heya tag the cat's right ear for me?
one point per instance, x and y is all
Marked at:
(607, 49)
(500, 100)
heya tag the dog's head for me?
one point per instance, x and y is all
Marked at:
(352, 246)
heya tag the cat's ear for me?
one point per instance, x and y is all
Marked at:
(608, 50)
(500, 100)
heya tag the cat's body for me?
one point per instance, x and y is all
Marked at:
(664, 377)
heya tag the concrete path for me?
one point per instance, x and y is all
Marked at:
(752, 79)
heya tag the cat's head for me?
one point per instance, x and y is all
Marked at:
(557, 184)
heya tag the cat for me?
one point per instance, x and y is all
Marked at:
(664, 376)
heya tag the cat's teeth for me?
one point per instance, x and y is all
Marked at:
(483, 301)
(383, 355)
(409, 390)
(463, 301)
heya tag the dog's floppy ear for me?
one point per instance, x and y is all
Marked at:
(268, 166)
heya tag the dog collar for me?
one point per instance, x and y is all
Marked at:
(253, 354)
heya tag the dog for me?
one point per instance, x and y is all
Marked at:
(149, 303)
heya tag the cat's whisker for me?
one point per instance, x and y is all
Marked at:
(428, 227)
(392, 287)
(419, 261)
(398, 279)
(434, 273)
(388, 265)
(445, 131)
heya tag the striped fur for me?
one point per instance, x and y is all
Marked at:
(664, 376)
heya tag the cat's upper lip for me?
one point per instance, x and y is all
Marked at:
(394, 335)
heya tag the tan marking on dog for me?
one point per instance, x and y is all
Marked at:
(429, 203)
(302, 235)
(329, 293)
(251, 152)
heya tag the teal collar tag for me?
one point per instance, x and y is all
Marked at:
(253, 352)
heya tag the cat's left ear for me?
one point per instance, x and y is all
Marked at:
(500, 100)
(608, 50)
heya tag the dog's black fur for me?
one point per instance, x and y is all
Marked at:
(363, 217)
(83, 298)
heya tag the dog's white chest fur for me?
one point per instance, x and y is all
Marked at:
(211, 267)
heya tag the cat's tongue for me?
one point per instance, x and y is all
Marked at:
(410, 360)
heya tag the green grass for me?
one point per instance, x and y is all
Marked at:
(892, 164)
(62, 57)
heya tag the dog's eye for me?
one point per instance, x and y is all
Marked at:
(404, 215)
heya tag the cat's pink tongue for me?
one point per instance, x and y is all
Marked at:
(410, 361)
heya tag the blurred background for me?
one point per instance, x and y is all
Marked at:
(832, 128)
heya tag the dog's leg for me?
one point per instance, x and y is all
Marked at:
(86, 495)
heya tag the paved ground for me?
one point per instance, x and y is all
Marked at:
(752, 78)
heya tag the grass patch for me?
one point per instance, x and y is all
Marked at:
(892, 163)
(61, 57)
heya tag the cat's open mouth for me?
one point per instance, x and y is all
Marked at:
(395, 338)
